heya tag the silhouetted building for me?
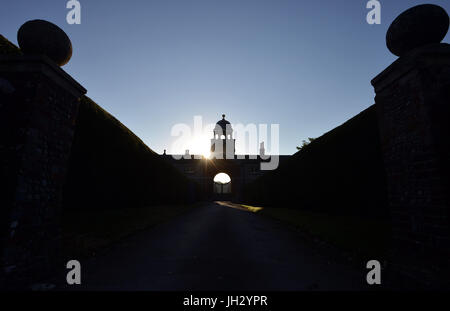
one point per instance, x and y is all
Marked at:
(241, 169)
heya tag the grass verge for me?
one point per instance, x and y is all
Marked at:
(87, 232)
(359, 236)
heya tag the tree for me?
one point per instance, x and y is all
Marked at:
(305, 143)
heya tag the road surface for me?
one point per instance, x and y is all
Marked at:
(215, 247)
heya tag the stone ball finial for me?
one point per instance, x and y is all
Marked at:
(418, 26)
(42, 37)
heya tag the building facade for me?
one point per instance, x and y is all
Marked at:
(241, 169)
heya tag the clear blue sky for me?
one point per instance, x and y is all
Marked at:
(305, 65)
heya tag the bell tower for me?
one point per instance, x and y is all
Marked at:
(223, 143)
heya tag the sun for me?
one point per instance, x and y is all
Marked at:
(201, 145)
(206, 154)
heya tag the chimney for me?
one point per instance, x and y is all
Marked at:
(262, 151)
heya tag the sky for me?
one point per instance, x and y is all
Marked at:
(304, 65)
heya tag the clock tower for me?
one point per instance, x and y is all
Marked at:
(223, 143)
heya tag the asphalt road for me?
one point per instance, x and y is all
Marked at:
(216, 247)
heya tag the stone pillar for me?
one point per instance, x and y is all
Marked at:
(413, 107)
(38, 109)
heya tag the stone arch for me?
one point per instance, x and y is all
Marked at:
(222, 183)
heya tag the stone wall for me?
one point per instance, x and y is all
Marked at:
(242, 170)
(38, 109)
(110, 167)
(339, 172)
(413, 107)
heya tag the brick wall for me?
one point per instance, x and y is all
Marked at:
(37, 116)
(413, 104)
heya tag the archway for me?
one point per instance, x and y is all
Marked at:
(222, 183)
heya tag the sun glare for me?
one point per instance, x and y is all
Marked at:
(200, 145)
(206, 154)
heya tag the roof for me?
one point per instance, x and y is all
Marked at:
(223, 123)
